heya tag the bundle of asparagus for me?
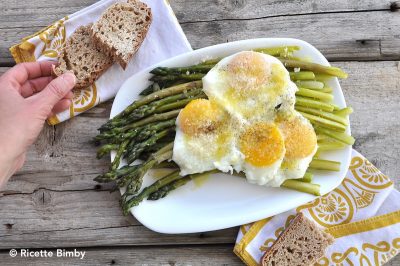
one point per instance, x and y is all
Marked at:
(145, 129)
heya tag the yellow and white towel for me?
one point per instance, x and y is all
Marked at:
(165, 39)
(363, 214)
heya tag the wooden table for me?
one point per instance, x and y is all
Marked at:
(53, 202)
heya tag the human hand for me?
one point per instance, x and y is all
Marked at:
(28, 96)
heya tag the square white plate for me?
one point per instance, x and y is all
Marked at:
(223, 201)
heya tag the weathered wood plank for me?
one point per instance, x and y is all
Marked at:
(373, 91)
(42, 12)
(201, 255)
(204, 10)
(48, 218)
(38, 13)
(341, 36)
(348, 35)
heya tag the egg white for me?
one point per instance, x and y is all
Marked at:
(294, 168)
(200, 153)
(256, 104)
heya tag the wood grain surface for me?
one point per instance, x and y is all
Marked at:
(53, 202)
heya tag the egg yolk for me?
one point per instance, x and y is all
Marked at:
(248, 70)
(300, 138)
(262, 144)
(200, 116)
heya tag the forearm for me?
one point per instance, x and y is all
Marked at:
(5, 171)
(9, 164)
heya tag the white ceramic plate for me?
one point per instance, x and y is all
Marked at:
(224, 201)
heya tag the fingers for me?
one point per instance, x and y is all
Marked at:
(33, 86)
(25, 71)
(55, 91)
(62, 105)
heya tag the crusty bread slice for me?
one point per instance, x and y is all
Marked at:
(81, 56)
(302, 243)
(121, 29)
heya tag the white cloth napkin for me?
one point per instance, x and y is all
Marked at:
(165, 39)
(363, 214)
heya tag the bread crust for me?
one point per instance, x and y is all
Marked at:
(283, 242)
(86, 74)
(103, 42)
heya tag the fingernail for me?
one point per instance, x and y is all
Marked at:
(69, 78)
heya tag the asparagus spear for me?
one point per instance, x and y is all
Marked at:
(121, 150)
(310, 84)
(135, 178)
(323, 122)
(134, 152)
(324, 97)
(116, 135)
(302, 186)
(153, 87)
(146, 192)
(150, 98)
(173, 77)
(138, 133)
(178, 104)
(163, 71)
(327, 115)
(134, 201)
(103, 150)
(307, 102)
(153, 107)
(344, 112)
(302, 75)
(163, 191)
(282, 51)
(320, 164)
(169, 165)
(115, 174)
(151, 119)
(316, 68)
(135, 184)
(308, 177)
(152, 129)
(340, 136)
(330, 146)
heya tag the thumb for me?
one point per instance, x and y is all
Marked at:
(56, 90)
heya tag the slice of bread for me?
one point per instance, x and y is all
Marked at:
(302, 243)
(81, 56)
(121, 29)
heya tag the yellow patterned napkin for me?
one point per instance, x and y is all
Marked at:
(363, 214)
(165, 39)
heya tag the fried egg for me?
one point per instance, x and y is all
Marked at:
(300, 144)
(263, 147)
(251, 86)
(204, 139)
